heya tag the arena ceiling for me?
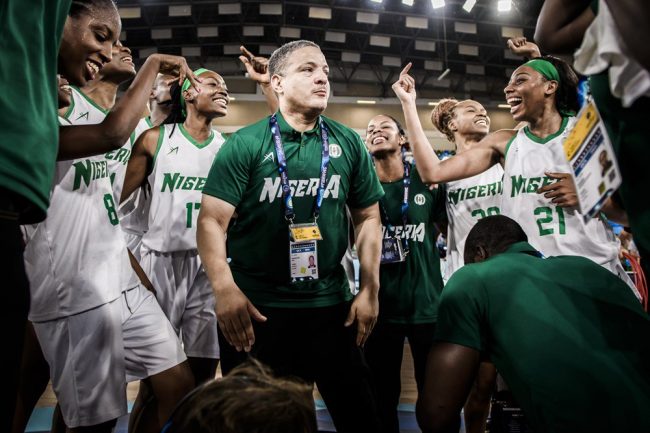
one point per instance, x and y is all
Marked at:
(366, 42)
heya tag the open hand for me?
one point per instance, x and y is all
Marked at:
(364, 309)
(234, 312)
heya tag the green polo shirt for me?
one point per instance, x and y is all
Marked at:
(245, 174)
(410, 290)
(29, 130)
(568, 336)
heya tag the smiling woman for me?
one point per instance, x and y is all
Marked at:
(175, 160)
(410, 282)
(538, 190)
(90, 32)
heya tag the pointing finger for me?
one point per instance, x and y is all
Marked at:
(246, 52)
(406, 69)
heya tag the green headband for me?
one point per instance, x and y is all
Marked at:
(544, 67)
(186, 85)
(550, 72)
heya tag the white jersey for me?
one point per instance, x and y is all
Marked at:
(603, 49)
(76, 259)
(181, 166)
(551, 229)
(469, 200)
(84, 111)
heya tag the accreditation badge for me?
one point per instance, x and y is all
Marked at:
(593, 163)
(305, 232)
(392, 251)
(303, 260)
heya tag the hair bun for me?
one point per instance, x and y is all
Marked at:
(442, 115)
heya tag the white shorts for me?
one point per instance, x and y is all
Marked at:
(134, 243)
(185, 295)
(92, 355)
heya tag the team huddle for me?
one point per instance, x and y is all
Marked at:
(167, 249)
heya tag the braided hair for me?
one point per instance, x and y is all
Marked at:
(176, 114)
(442, 114)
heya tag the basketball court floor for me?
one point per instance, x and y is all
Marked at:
(40, 420)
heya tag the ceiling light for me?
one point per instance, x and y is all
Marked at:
(231, 98)
(407, 2)
(366, 101)
(504, 106)
(437, 3)
(504, 5)
(377, 1)
(433, 104)
(469, 5)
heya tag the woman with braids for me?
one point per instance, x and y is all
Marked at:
(538, 191)
(465, 123)
(409, 276)
(175, 159)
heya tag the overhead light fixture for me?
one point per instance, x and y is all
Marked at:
(377, 1)
(407, 2)
(504, 106)
(444, 74)
(469, 5)
(231, 98)
(366, 101)
(437, 4)
(433, 104)
(504, 5)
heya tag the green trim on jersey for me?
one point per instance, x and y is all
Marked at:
(70, 109)
(90, 101)
(192, 140)
(508, 146)
(245, 174)
(409, 291)
(536, 139)
(161, 137)
(148, 120)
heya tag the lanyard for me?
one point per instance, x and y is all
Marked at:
(405, 199)
(289, 213)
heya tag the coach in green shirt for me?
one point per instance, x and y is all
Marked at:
(296, 167)
(570, 339)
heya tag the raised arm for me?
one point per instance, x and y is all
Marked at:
(365, 308)
(80, 141)
(141, 157)
(461, 166)
(524, 48)
(234, 309)
(562, 24)
(257, 68)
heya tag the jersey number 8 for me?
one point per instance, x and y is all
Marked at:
(109, 204)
